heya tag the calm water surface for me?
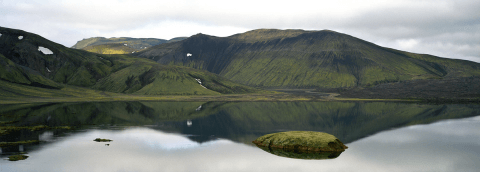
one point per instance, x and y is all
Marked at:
(215, 136)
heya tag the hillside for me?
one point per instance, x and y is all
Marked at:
(30, 60)
(135, 44)
(324, 59)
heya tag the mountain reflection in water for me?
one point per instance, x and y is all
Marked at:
(169, 132)
(236, 121)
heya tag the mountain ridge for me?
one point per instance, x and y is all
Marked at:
(27, 59)
(265, 58)
(271, 58)
(134, 43)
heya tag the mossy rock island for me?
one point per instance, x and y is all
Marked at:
(17, 157)
(301, 141)
(102, 140)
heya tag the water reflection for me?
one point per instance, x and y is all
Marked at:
(301, 155)
(237, 121)
(450, 145)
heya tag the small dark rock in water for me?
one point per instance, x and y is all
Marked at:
(301, 141)
(102, 140)
(17, 157)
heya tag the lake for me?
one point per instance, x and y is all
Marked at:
(217, 136)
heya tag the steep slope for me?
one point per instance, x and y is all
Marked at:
(29, 59)
(305, 59)
(134, 43)
(52, 60)
(146, 77)
(9, 71)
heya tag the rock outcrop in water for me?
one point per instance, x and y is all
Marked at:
(102, 140)
(17, 157)
(301, 141)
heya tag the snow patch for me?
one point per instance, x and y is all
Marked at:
(200, 82)
(48, 69)
(188, 54)
(20, 37)
(125, 44)
(44, 50)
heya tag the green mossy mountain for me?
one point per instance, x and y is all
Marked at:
(110, 49)
(133, 43)
(324, 59)
(22, 62)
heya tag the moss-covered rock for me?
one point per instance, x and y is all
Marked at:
(102, 140)
(17, 157)
(301, 141)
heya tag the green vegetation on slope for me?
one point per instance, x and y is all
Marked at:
(145, 77)
(21, 62)
(9, 71)
(305, 59)
(110, 49)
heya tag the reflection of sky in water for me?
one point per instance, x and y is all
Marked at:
(158, 140)
(46, 136)
(451, 145)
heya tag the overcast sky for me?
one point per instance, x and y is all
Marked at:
(445, 28)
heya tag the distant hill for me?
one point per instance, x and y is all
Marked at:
(111, 45)
(31, 61)
(271, 58)
(110, 49)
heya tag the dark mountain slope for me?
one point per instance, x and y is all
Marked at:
(61, 64)
(9, 71)
(32, 60)
(301, 59)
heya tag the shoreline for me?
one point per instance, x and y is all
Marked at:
(279, 97)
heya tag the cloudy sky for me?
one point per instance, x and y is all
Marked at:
(445, 28)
